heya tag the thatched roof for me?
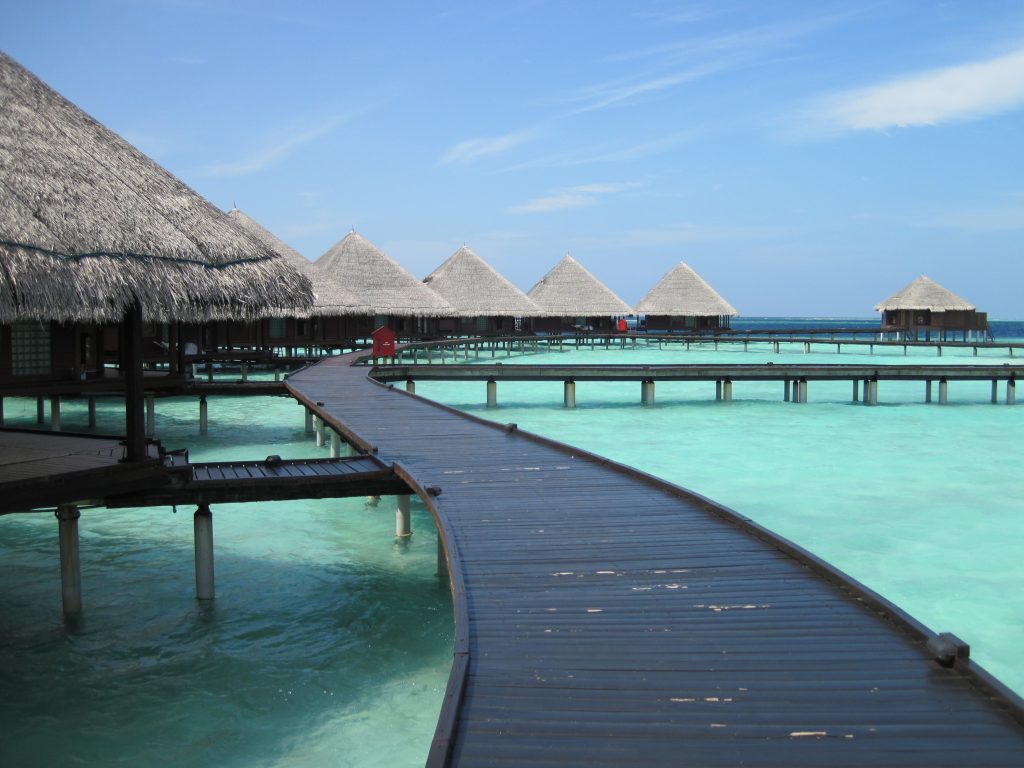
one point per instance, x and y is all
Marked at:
(683, 293)
(329, 296)
(475, 289)
(361, 268)
(89, 225)
(569, 290)
(924, 293)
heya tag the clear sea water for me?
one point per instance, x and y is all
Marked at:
(330, 643)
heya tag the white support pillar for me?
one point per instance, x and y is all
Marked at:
(647, 392)
(320, 437)
(569, 394)
(872, 392)
(70, 567)
(928, 390)
(856, 390)
(92, 411)
(150, 415)
(351, 450)
(203, 527)
(410, 386)
(807, 347)
(785, 390)
(55, 413)
(403, 517)
(718, 389)
(492, 393)
(995, 391)
(1011, 391)
(204, 422)
(309, 421)
(727, 389)
(943, 391)
(335, 445)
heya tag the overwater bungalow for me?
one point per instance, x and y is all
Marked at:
(398, 300)
(97, 242)
(923, 308)
(683, 301)
(485, 302)
(573, 300)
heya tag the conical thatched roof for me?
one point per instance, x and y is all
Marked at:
(89, 225)
(329, 296)
(924, 293)
(683, 293)
(475, 289)
(361, 268)
(569, 290)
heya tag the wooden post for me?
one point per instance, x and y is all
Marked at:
(92, 411)
(309, 421)
(927, 390)
(245, 371)
(727, 389)
(335, 445)
(70, 567)
(570, 394)
(492, 393)
(943, 392)
(40, 410)
(209, 371)
(55, 413)
(277, 374)
(150, 415)
(410, 386)
(203, 527)
(403, 517)
(1011, 391)
(204, 423)
(856, 390)
(131, 371)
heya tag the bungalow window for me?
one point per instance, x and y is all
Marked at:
(30, 348)
(276, 327)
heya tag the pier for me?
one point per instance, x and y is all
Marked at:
(603, 616)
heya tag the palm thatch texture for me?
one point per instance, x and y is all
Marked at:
(89, 226)
(683, 293)
(569, 290)
(475, 289)
(357, 266)
(924, 293)
(330, 297)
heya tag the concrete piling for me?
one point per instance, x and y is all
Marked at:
(203, 528)
(70, 564)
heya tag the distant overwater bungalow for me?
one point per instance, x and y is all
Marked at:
(923, 308)
(683, 301)
(485, 302)
(573, 300)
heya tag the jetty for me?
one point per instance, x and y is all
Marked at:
(606, 617)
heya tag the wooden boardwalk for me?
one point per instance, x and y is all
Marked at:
(604, 617)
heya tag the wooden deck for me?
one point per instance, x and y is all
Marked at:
(273, 479)
(604, 617)
(45, 469)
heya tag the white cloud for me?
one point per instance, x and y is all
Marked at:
(571, 197)
(268, 156)
(473, 149)
(964, 92)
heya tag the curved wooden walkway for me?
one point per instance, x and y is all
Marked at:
(604, 617)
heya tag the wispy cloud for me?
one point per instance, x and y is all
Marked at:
(267, 156)
(963, 92)
(474, 149)
(619, 91)
(608, 152)
(571, 197)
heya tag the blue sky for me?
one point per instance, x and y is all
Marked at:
(806, 158)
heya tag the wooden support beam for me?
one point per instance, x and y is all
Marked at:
(70, 564)
(203, 528)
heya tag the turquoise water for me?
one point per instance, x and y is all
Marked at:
(330, 643)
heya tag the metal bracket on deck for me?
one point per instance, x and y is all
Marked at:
(948, 649)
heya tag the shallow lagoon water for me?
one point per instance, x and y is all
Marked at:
(330, 643)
